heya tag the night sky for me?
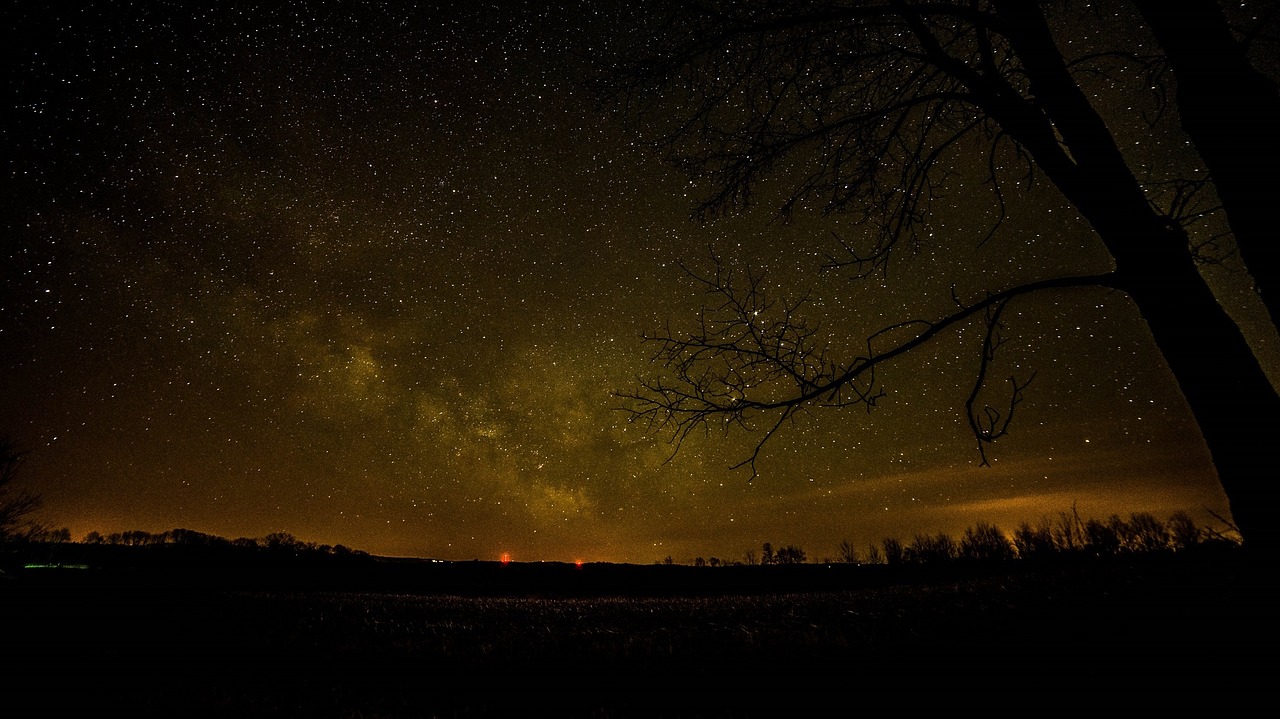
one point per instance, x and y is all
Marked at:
(372, 276)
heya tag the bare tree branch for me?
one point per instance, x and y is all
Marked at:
(15, 505)
(751, 356)
(992, 424)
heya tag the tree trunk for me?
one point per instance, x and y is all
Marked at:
(1232, 114)
(1234, 403)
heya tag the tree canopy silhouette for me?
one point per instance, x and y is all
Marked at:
(863, 109)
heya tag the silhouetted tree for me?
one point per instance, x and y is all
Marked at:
(1124, 533)
(140, 538)
(1102, 537)
(985, 543)
(766, 553)
(790, 554)
(1183, 532)
(190, 537)
(44, 535)
(1034, 542)
(16, 505)
(1068, 532)
(873, 554)
(1230, 111)
(1147, 533)
(281, 542)
(848, 554)
(893, 552)
(930, 549)
(864, 109)
(134, 538)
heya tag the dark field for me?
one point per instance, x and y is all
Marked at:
(404, 639)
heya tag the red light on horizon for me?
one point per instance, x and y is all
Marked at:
(505, 558)
(577, 563)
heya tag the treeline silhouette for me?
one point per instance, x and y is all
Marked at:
(281, 562)
(1063, 536)
(54, 547)
(276, 542)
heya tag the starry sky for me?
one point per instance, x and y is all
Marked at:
(374, 275)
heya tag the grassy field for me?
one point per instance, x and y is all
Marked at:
(555, 643)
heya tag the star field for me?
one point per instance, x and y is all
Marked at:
(372, 276)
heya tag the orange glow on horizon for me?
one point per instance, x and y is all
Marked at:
(505, 558)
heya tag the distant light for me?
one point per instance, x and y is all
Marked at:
(506, 558)
(577, 563)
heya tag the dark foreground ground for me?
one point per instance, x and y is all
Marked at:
(1138, 637)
